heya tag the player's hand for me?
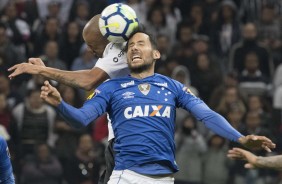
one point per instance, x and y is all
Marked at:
(36, 61)
(50, 94)
(240, 154)
(257, 142)
(32, 67)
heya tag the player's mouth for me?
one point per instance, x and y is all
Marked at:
(136, 58)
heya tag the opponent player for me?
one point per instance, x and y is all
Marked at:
(271, 162)
(112, 64)
(142, 109)
(6, 170)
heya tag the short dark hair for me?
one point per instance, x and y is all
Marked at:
(140, 29)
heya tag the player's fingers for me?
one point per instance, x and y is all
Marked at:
(45, 93)
(46, 82)
(13, 67)
(263, 138)
(234, 154)
(36, 61)
(238, 150)
(32, 60)
(267, 149)
(269, 144)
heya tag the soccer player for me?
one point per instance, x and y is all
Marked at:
(6, 170)
(142, 109)
(271, 162)
(111, 64)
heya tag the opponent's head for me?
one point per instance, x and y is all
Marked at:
(141, 52)
(93, 37)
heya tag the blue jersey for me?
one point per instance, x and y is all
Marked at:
(142, 112)
(6, 171)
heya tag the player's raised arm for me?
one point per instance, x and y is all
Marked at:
(75, 117)
(85, 79)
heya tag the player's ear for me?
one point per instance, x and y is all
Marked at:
(156, 54)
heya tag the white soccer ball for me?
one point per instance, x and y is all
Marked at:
(117, 22)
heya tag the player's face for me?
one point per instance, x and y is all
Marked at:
(94, 45)
(140, 54)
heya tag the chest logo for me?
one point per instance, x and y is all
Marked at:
(144, 88)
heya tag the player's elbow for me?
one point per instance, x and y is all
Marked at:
(94, 78)
(88, 86)
(90, 81)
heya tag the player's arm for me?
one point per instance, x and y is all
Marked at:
(219, 124)
(5, 163)
(76, 117)
(272, 162)
(86, 79)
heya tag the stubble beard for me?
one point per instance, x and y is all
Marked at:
(140, 68)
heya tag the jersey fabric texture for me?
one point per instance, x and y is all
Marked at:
(143, 114)
(6, 171)
(114, 63)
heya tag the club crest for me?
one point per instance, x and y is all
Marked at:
(144, 88)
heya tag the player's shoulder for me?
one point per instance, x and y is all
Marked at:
(116, 82)
(115, 51)
(2, 142)
(2, 139)
(163, 78)
(112, 48)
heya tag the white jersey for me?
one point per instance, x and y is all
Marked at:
(114, 63)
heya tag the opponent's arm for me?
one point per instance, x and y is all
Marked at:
(272, 162)
(86, 79)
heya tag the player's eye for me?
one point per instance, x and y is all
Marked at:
(131, 45)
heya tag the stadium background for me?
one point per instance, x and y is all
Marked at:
(228, 52)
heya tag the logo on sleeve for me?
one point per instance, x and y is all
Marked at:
(93, 94)
(187, 90)
(115, 59)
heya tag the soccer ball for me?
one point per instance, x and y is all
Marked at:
(117, 22)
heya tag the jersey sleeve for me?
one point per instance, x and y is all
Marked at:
(6, 170)
(3, 146)
(212, 120)
(96, 104)
(114, 61)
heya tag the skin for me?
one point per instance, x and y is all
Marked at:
(85, 79)
(253, 161)
(141, 55)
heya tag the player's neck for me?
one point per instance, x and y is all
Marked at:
(143, 74)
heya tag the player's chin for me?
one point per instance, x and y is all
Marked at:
(135, 65)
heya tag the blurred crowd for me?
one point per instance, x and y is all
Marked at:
(229, 52)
